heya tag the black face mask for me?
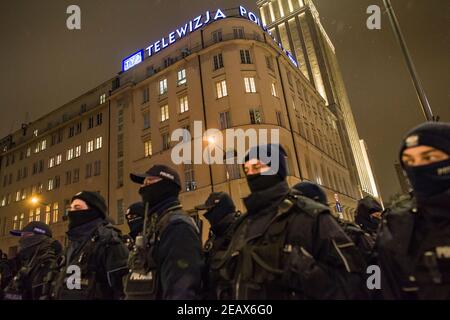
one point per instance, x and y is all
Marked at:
(80, 217)
(136, 225)
(259, 182)
(431, 179)
(158, 192)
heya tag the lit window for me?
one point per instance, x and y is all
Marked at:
(103, 98)
(164, 113)
(184, 106)
(16, 222)
(98, 143)
(77, 151)
(43, 145)
(51, 162)
(18, 196)
(250, 85)
(163, 86)
(90, 146)
(274, 90)
(37, 216)
(28, 152)
(58, 159)
(69, 155)
(148, 148)
(50, 184)
(47, 214)
(181, 77)
(221, 88)
(55, 212)
(31, 216)
(35, 132)
(22, 217)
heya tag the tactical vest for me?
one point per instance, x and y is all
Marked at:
(30, 280)
(143, 281)
(423, 275)
(85, 258)
(266, 267)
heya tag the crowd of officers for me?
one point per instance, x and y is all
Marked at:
(287, 245)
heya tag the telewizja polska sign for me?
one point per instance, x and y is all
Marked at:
(188, 28)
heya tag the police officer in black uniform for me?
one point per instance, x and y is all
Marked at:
(135, 220)
(95, 250)
(37, 252)
(286, 246)
(363, 240)
(221, 214)
(167, 261)
(368, 215)
(414, 240)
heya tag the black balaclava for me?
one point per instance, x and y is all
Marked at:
(312, 191)
(157, 192)
(81, 217)
(136, 223)
(432, 179)
(259, 182)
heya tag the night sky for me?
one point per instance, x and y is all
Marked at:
(45, 65)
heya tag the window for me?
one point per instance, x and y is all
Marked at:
(221, 88)
(103, 98)
(99, 118)
(184, 106)
(274, 90)
(189, 177)
(91, 122)
(224, 120)
(145, 95)
(164, 113)
(77, 151)
(47, 214)
(245, 57)
(88, 170)
(68, 177)
(37, 216)
(76, 175)
(255, 116)
(36, 147)
(28, 152)
(31, 216)
(78, 128)
(233, 168)
(279, 118)
(269, 63)
(57, 182)
(19, 174)
(97, 168)
(50, 184)
(25, 172)
(217, 36)
(148, 148)
(16, 222)
(41, 165)
(146, 117)
(55, 212)
(238, 33)
(71, 131)
(18, 195)
(90, 146)
(162, 86)
(250, 84)
(181, 76)
(22, 218)
(166, 141)
(43, 145)
(58, 159)
(120, 174)
(24, 194)
(98, 143)
(51, 162)
(218, 61)
(69, 155)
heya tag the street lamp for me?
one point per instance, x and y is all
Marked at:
(212, 143)
(35, 200)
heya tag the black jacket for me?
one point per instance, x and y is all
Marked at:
(367, 206)
(178, 254)
(413, 249)
(290, 248)
(98, 250)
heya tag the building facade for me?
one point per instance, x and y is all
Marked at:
(296, 24)
(227, 74)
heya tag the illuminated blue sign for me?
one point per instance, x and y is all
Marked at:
(179, 33)
(189, 27)
(133, 60)
(254, 18)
